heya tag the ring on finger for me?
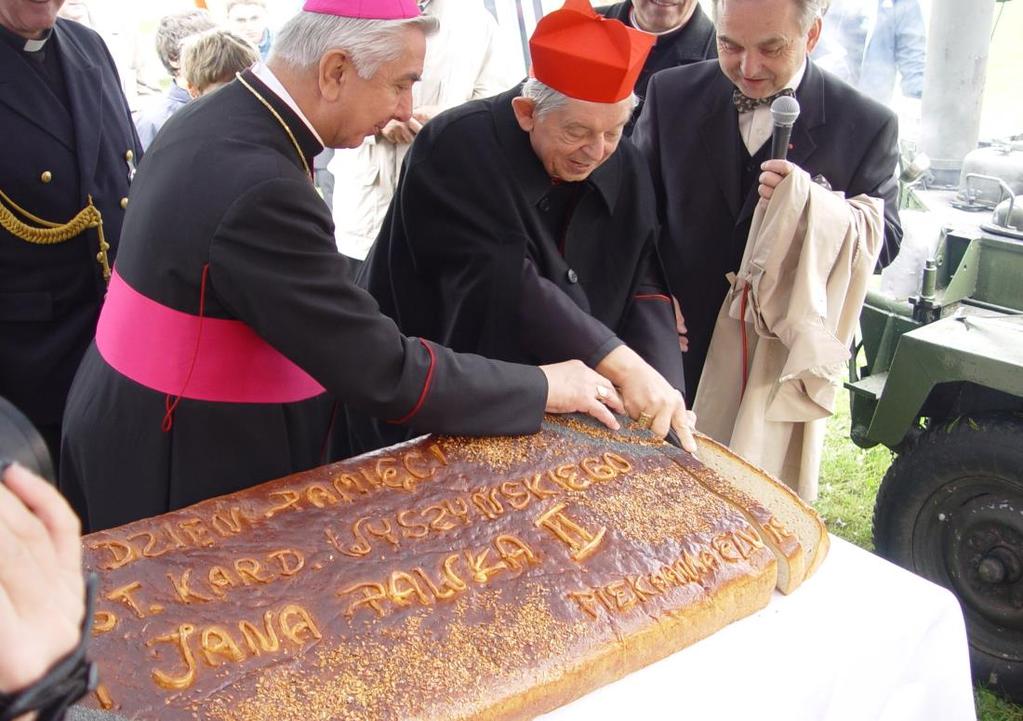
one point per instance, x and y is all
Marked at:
(601, 392)
(645, 420)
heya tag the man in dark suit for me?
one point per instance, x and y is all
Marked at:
(684, 35)
(706, 132)
(229, 317)
(69, 144)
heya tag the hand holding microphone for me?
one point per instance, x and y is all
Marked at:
(784, 112)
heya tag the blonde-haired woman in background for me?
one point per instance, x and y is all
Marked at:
(212, 58)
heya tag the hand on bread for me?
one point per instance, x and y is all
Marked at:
(648, 397)
(572, 387)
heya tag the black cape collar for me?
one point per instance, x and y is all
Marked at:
(529, 173)
(311, 147)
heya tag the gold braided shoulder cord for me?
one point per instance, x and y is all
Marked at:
(53, 233)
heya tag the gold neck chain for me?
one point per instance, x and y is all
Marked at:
(291, 135)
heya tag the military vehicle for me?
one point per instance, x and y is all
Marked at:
(942, 385)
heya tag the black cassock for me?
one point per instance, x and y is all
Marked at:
(482, 252)
(223, 215)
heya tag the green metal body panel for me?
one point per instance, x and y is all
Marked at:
(984, 350)
(990, 272)
(970, 333)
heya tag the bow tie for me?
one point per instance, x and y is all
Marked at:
(745, 104)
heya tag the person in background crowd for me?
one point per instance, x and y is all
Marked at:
(684, 35)
(842, 138)
(247, 18)
(230, 327)
(170, 35)
(64, 175)
(212, 59)
(524, 228)
(868, 42)
(42, 599)
(465, 60)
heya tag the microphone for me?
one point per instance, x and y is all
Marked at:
(784, 111)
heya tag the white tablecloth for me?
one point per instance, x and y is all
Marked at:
(862, 640)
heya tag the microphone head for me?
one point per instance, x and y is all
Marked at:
(785, 110)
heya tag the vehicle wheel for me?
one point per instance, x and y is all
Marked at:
(951, 510)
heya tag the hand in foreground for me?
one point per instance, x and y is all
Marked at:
(649, 398)
(774, 171)
(571, 387)
(425, 113)
(400, 133)
(41, 585)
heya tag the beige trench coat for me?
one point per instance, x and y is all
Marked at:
(803, 276)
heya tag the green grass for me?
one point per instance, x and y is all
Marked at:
(849, 480)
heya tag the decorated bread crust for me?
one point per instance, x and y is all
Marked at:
(445, 578)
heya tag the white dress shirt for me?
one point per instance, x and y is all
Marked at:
(756, 127)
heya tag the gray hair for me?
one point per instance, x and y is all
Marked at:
(308, 36)
(809, 10)
(545, 98)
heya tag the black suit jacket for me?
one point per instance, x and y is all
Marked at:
(689, 132)
(50, 295)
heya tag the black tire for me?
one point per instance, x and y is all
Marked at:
(951, 510)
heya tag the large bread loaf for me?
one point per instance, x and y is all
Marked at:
(446, 578)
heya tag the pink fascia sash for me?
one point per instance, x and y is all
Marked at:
(157, 347)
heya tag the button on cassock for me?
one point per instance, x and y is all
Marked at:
(572, 276)
(46, 176)
(124, 203)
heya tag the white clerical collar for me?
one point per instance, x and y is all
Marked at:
(34, 46)
(266, 76)
(634, 23)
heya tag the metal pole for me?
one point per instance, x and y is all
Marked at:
(957, 52)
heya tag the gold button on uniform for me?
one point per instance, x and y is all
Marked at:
(124, 203)
(129, 156)
(46, 177)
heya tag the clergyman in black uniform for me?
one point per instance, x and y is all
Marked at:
(229, 317)
(684, 35)
(69, 149)
(523, 226)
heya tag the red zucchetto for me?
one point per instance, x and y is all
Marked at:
(365, 9)
(588, 57)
